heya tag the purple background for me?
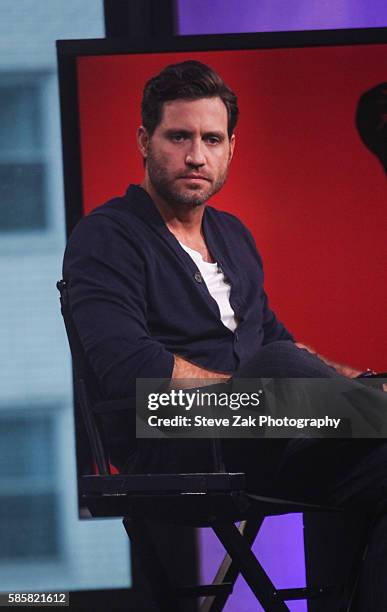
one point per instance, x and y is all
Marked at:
(225, 16)
(280, 538)
(280, 545)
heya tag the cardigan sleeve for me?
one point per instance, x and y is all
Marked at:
(106, 278)
(273, 328)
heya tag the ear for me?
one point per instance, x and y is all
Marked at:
(232, 146)
(143, 139)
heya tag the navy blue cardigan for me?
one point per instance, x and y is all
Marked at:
(137, 297)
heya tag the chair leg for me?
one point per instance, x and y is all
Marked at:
(350, 591)
(160, 586)
(250, 568)
(229, 569)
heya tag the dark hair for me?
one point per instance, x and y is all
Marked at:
(371, 121)
(190, 80)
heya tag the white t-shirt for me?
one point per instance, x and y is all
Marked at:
(217, 286)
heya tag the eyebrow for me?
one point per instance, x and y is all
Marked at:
(218, 134)
(172, 131)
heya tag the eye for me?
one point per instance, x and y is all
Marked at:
(178, 137)
(212, 140)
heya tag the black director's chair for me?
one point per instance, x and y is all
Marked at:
(217, 500)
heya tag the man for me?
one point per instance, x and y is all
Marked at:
(371, 121)
(163, 286)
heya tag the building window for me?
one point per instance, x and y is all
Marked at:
(23, 167)
(29, 503)
(32, 527)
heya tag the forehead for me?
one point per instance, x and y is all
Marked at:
(205, 114)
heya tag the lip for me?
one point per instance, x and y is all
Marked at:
(195, 177)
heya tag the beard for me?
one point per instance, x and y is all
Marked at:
(172, 190)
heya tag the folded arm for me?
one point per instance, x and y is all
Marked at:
(344, 370)
(187, 370)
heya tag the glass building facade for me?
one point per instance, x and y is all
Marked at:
(43, 545)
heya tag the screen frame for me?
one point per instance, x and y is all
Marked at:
(68, 51)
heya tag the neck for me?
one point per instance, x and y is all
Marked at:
(181, 220)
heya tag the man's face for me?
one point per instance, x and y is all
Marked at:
(188, 155)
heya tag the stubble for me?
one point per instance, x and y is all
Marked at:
(168, 187)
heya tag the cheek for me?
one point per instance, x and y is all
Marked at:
(161, 160)
(174, 159)
(221, 160)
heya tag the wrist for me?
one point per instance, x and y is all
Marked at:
(367, 373)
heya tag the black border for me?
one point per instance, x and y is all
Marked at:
(133, 17)
(69, 50)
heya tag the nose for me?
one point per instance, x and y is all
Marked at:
(195, 155)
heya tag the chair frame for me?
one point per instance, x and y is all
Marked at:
(217, 500)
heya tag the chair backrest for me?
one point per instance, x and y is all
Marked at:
(88, 430)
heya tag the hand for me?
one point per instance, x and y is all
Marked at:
(344, 370)
(184, 371)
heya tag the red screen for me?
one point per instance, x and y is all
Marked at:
(301, 179)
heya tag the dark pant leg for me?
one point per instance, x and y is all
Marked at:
(333, 470)
(260, 458)
(372, 590)
(345, 473)
(283, 359)
(351, 473)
